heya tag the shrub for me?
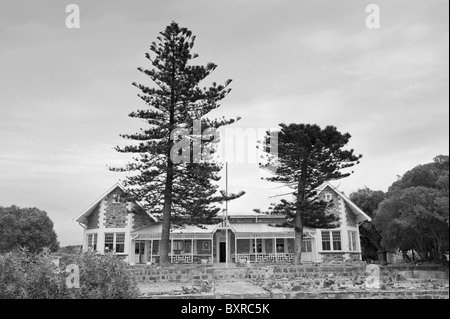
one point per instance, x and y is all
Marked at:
(29, 276)
(103, 277)
(35, 276)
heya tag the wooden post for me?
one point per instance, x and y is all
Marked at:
(151, 250)
(192, 249)
(171, 250)
(212, 251)
(256, 249)
(275, 248)
(235, 249)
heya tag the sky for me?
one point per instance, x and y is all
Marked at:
(65, 93)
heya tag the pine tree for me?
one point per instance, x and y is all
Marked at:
(180, 191)
(307, 157)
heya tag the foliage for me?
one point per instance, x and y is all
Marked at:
(307, 157)
(415, 214)
(25, 275)
(368, 200)
(30, 276)
(26, 227)
(103, 277)
(169, 177)
(317, 216)
(71, 249)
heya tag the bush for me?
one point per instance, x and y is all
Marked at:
(36, 276)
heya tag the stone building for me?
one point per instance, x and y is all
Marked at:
(112, 224)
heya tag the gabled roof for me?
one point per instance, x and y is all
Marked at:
(82, 218)
(360, 215)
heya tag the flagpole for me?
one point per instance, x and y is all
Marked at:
(226, 214)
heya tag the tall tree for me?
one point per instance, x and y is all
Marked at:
(415, 214)
(368, 200)
(307, 157)
(179, 191)
(26, 227)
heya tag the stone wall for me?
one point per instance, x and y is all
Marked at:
(185, 273)
(350, 217)
(141, 219)
(116, 212)
(93, 220)
(335, 209)
(400, 294)
(332, 257)
(338, 257)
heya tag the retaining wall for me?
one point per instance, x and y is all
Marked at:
(399, 294)
(183, 273)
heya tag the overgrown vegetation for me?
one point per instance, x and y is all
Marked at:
(26, 227)
(415, 213)
(25, 275)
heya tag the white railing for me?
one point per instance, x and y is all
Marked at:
(181, 259)
(265, 258)
(242, 258)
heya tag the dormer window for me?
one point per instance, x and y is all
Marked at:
(328, 197)
(117, 198)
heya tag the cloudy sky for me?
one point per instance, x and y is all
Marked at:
(65, 93)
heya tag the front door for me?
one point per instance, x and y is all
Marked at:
(139, 250)
(222, 252)
(307, 249)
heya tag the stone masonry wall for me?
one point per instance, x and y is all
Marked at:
(186, 273)
(116, 212)
(400, 294)
(93, 220)
(350, 217)
(141, 219)
(336, 207)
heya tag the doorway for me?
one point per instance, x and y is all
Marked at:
(139, 251)
(222, 252)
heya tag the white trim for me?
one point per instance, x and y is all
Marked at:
(82, 218)
(352, 205)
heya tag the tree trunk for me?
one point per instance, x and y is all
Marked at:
(165, 232)
(298, 221)
(298, 226)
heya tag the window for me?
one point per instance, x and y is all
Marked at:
(258, 248)
(120, 242)
(155, 247)
(352, 240)
(109, 242)
(177, 245)
(187, 246)
(205, 245)
(115, 242)
(280, 245)
(331, 240)
(117, 198)
(336, 240)
(328, 197)
(92, 241)
(306, 246)
(326, 243)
